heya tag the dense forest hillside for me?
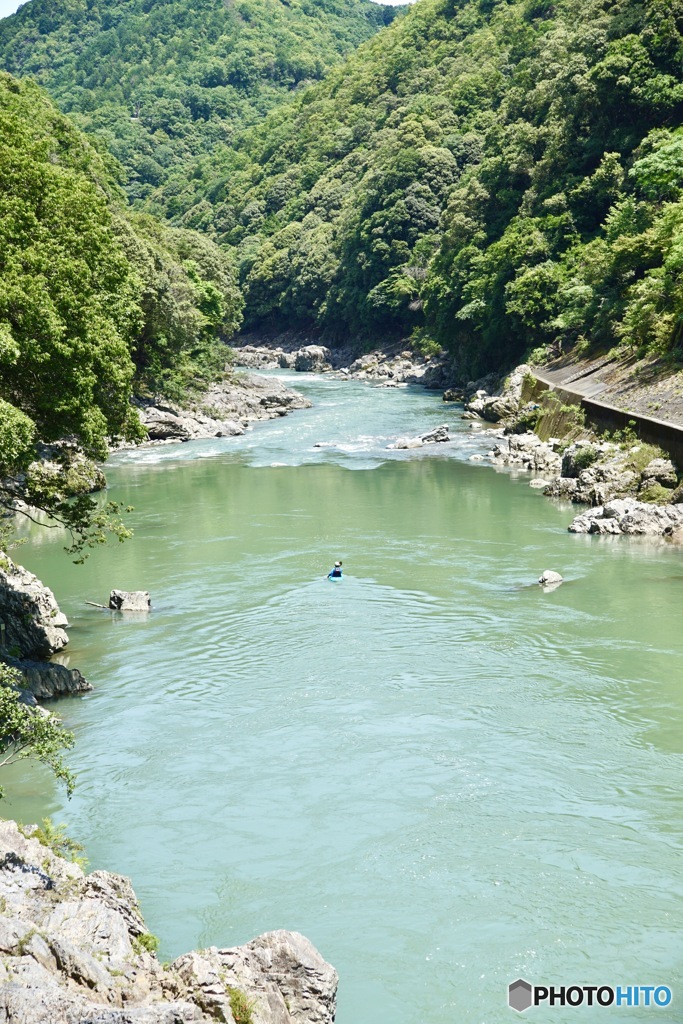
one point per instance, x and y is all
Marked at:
(495, 175)
(94, 301)
(163, 82)
(499, 174)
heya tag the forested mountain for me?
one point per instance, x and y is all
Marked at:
(165, 82)
(93, 299)
(501, 174)
(493, 174)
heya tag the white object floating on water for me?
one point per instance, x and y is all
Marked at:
(550, 578)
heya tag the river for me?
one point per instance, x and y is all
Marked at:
(442, 775)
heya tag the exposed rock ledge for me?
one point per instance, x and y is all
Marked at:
(390, 366)
(74, 952)
(34, 629)
(48, 679)
(628, 516)
(34, 625)
(224, 410)
(306, 359)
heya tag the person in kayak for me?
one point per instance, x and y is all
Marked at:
(336, 573)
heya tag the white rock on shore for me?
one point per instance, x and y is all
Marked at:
(527, 451)
(631, 517)
(74, 949)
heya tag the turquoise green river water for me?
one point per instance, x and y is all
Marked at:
(443, 776)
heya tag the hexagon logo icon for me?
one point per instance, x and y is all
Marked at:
(520, 995)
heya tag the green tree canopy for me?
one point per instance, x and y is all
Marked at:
(166, 84)
(502, 174)
(95, 303)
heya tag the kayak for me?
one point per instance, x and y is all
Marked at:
(334, 578)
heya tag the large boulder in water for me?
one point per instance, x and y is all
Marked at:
(313, 359)
(550, 578)
(130, 601)
(435, 436)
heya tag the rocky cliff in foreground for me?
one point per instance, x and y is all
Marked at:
(74, 949)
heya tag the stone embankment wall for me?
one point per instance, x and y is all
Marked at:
(604, 416)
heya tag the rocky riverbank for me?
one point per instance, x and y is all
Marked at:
(389, 366)
(224, 410)
(76, 950)
(632, 486)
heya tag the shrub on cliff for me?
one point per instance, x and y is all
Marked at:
(30, 732)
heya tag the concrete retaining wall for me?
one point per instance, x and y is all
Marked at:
(603, 416)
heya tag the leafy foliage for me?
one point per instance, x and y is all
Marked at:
(503, 174)
(67, 293)
(94, 303)
(145, 942)
(190, 301)
(165, 84)
(28, 732)
(242, 1006)
(496, 175)
(55, 838)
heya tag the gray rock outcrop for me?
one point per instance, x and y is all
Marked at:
(436, 436)
(262, 357)
(74, 949)
(399, 367)
(389, 366)
(313, 359)
(659, 471)
(310, 358)
(45, 680)
(597, 472)
(224, 410)
(631, 517)
(504, 402)
(33, 623)
(164, 423)
(527, 451)
(130, 601)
